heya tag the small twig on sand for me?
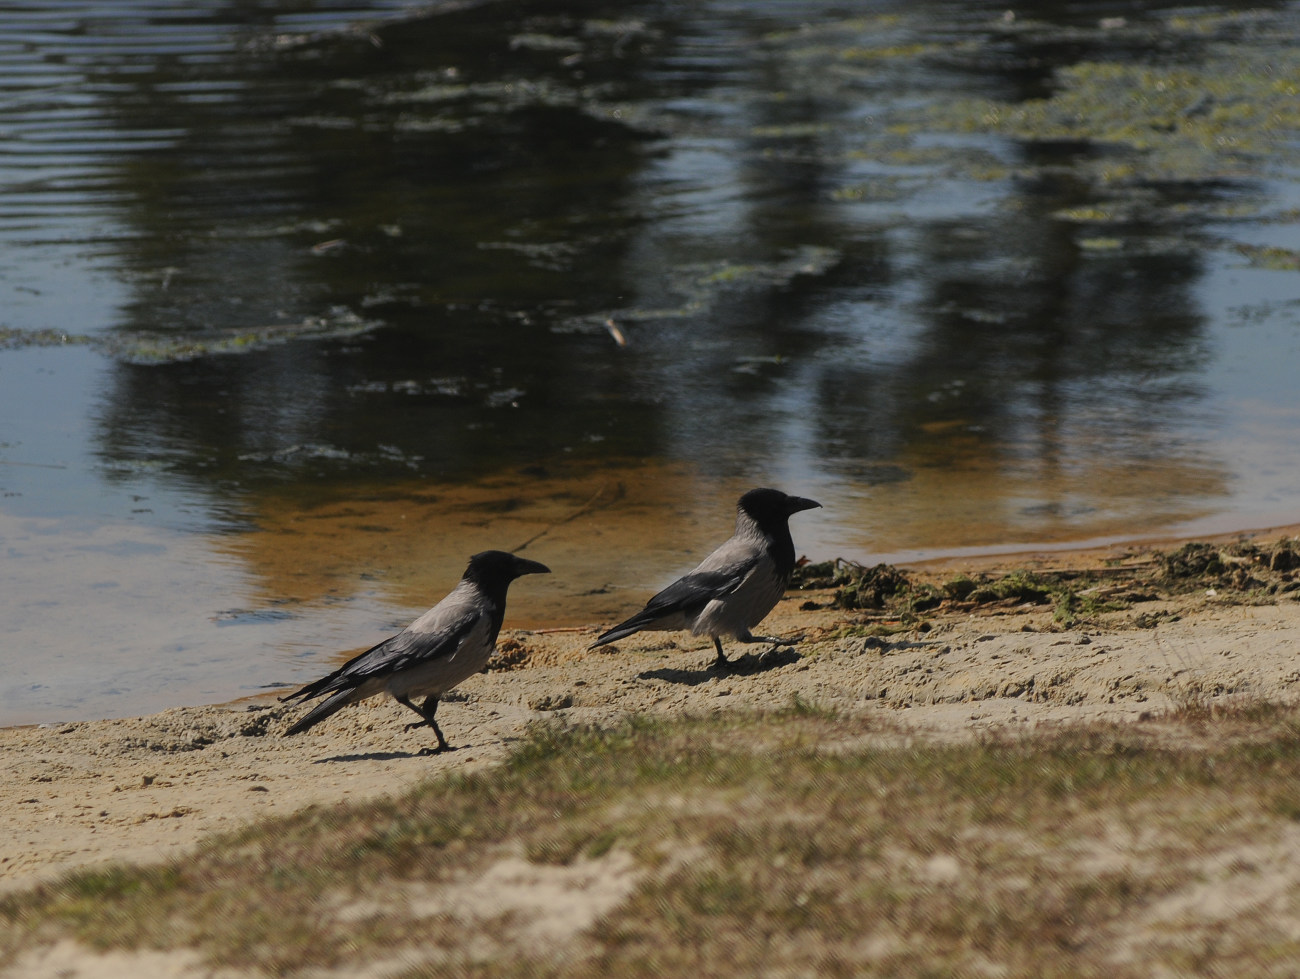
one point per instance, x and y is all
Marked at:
(619, 337)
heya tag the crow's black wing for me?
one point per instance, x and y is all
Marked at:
(396, 653)
(692, 592)
(684, 599)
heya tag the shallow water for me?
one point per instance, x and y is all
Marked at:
(304, 304)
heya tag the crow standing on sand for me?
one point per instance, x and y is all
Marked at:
(735, 586)
(447, 644)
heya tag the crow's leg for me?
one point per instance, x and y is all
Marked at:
(426, 711)
(722, 660)
(430, 708)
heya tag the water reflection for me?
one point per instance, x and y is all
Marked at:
(350, 255)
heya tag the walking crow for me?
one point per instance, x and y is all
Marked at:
(734, 587)
(445, 645)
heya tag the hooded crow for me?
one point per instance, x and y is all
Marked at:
(735, 586)
(445, 645)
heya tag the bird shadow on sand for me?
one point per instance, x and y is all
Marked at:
(386, 755)
(749, 664)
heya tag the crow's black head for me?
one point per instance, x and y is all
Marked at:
(772, 508)
(496, 569)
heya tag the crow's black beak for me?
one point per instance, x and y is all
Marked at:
(524, 566)
(796, 503)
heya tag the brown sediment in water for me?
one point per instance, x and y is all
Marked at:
(960, 493)
(609, 534)
(613, 534)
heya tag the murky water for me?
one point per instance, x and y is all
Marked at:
(304, 303)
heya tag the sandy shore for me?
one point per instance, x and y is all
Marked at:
(147, 788)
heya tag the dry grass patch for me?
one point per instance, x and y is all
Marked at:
(791, 842)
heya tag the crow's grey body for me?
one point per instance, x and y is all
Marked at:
(734, 588)
(444, 646)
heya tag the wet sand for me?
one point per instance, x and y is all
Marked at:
(147, 788)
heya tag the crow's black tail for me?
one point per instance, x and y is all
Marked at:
(634, 624)
(322, 710)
